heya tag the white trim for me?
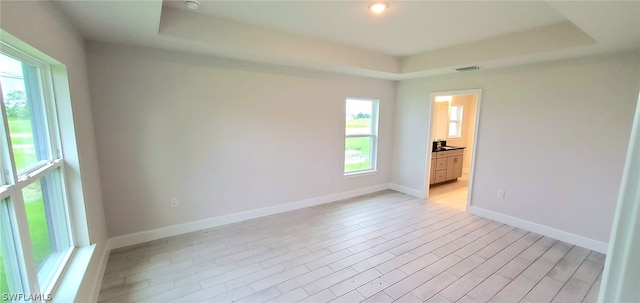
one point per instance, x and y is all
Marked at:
(73, 275)
(174, 230)
(424, 193)
(97, 281)
(620, 276)
(359, 136)
(406, 190)
(540, 229)
(474, 148)
(357, 173)
(38, 173)
(55, 271)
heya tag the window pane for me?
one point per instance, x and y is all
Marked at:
(37, 219)
(357, 153)
(359, 113)
(10, 281)
(454, 113)
(4, 284)
(25, 112)
(47, 220)
(453, 129)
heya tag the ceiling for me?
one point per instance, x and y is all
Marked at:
(411, 39)
(440, 24)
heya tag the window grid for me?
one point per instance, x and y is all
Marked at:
(42, 181)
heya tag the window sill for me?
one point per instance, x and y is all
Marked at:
(360, 173)
(73, 275)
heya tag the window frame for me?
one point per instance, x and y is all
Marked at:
(13, 181)
(373, 138)
(457, 121)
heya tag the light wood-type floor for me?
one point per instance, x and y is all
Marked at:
(382, 247)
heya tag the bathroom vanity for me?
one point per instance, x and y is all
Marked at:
(446, 164)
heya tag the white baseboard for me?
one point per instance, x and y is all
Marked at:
(406, 190)
(163, 232)
(540, 229)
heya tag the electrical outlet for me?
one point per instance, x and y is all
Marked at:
(501, 194)
(174, 202)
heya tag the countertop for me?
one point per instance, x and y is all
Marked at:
(446, 148)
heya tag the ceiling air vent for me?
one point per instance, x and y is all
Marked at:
(468, 68)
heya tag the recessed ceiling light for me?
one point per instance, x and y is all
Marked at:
(379, 7)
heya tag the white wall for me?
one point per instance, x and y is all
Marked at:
(440, 123)
(222, 136)
(552, 135)
(40, 25)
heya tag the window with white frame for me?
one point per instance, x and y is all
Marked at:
(35, 236)
(455, 121)
(361, 135)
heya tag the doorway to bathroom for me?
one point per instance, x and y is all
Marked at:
(451, 147)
